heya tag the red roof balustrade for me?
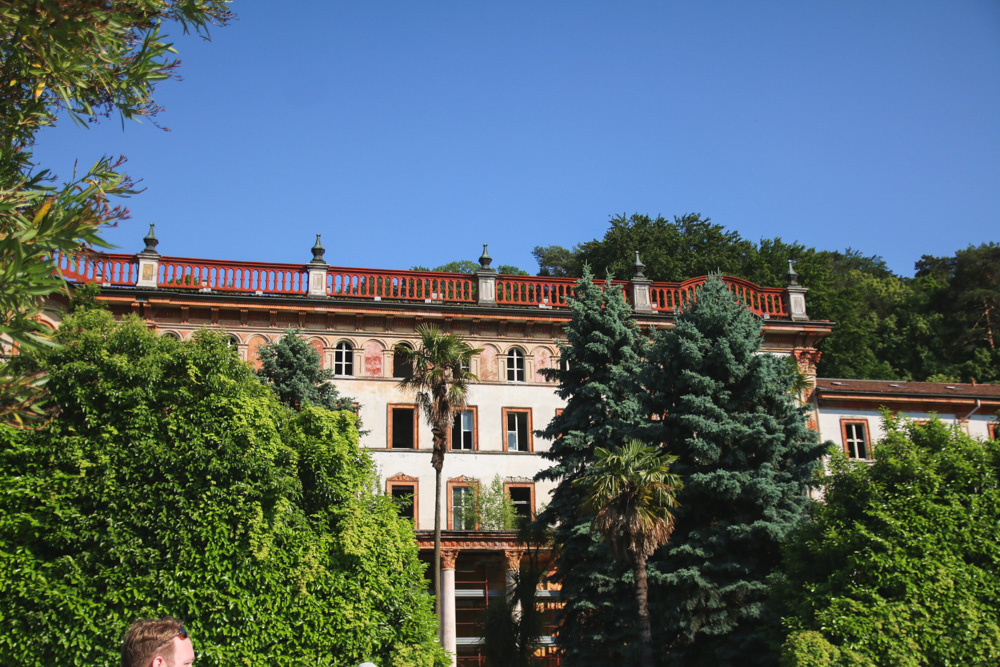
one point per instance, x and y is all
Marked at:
(120, 270)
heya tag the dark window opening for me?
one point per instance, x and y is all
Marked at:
(521, 497)
(402, 428)
(403, 496)
(402, 363)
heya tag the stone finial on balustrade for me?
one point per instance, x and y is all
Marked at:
(149, 261)
(317, 270)
(796, 294)
(638, 268)
(487, 280)
(640, 287)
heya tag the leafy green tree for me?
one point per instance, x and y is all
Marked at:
(440, 380)
(967, 297)
(747, 459)
(468, 266)
(673, 250)
(631, 494)
(598, 374)
(496, 509)
(900, 565)
(294, 370)
(174, 482)
(82, 60)
(558, 261)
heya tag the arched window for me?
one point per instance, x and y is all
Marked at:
(515, 365)
(402, 365)
(343, 359)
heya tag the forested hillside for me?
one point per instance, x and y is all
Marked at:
(943, 324)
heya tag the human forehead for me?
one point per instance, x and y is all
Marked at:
(183, 652)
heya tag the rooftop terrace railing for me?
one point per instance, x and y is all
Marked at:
(150, 270)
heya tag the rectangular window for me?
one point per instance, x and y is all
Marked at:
(463, 508)
(855, 434)
(517, 429)
(463, 430)
(994, 430)
(523, 497)
(402, 427)
(405, 496)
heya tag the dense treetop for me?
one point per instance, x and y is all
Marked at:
(943, 324)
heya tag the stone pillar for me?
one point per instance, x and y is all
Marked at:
(487, 280)
(448, 635)
(796, 294)
(641, 302)
(317, 270)
(807, 359)
(149, 262)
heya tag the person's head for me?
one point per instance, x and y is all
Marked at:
(157, 642)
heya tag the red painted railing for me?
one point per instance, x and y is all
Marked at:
(104, 268)
(532, 291)
(223, 276)
(293, 279)
(670, 297)
(404, 285)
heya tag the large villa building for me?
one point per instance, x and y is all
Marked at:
(354, 318)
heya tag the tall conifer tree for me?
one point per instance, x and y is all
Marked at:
(598, 379)
(747, 460)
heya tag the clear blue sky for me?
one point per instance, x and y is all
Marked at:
(413, 132)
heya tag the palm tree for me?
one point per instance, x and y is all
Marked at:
(631, 493)
(440, 377)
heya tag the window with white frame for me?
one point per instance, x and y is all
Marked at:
(855, 435)
(463, 507)
(463, 430)
(343, 359)
(517, 429)
(515, 365)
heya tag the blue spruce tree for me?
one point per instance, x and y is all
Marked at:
(598, 378)
(747, 460)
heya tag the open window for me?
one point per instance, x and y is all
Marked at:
(464, 429)
(855, 438)
(517, 429)
(402, 431)
(402, 363)
(403, 491)
(463, 513)
(522, 495)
